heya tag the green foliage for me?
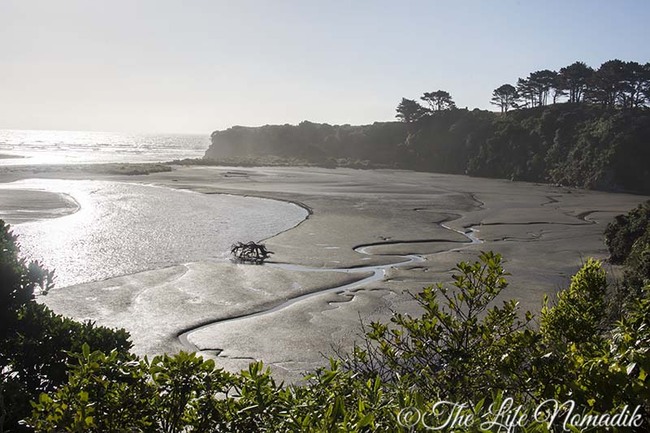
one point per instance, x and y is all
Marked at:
(307, 143)
(461, 349)
(35, 344)
(19, 281)
(597, 139)
(617, 373)
(535, 89)
(638, 262)
(103, 393)
(569, 144)
(409, 111)
(505, 97)
(438, 100)
(575, 80)
(572, 333)
(628, 240)
(622, 233)
(464, 348)
(579, 311)
(113, 393)
(630, 352)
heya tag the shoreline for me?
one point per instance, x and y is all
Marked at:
(537, 228)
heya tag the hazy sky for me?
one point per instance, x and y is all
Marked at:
(197, 66)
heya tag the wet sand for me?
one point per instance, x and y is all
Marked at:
(23, 205)
(544, 232)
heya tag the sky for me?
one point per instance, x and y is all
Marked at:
(195, 66)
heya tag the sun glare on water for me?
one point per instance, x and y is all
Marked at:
(26, 147)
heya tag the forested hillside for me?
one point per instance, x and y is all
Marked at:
(577, 127)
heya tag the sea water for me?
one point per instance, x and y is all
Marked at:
(26, 147)
(124, 228)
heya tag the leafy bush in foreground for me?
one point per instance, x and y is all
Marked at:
(460, 350)
(35, 342)
(463, 349)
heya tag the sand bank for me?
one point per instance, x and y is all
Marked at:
(544, 232)
(22, 205)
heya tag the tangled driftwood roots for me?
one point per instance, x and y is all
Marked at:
(250, 252)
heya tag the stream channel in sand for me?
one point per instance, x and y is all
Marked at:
(377, 274)
(115, 221)
(152, 258)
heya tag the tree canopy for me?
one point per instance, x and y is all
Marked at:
(410, 111)
(438, 100)
(615, 83)
(505, 97)
(578, 126)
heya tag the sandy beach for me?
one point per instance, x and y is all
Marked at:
(393, 231)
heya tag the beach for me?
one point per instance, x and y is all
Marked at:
(394, 231)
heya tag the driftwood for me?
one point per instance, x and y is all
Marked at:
(250, 252)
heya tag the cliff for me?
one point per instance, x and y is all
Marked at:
(569, 144)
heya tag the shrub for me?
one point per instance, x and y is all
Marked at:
(461, 349)
(623, 232)
(35, 343)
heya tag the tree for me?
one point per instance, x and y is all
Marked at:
(541, 82)
(410, 111)
(439, 100)
(636, 81)
(608, 84)
(505, 97)
(19, 281)
(575, 79)
(646, 90)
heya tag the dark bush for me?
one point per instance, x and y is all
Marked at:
(36, 344)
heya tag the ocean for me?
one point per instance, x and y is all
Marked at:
(27, 147)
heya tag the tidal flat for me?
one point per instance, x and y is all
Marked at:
(368, 240)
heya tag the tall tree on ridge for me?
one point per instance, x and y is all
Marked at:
(526, 92)
(646, 89)
(505, 97)
(608, 84)
(410, 111)
(439, 100)
(636, 82)
(575, 79)
(541, 82)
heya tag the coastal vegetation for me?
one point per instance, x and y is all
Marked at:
(464, 348)
(36, 345)
(578, 126)
(128, 169)
(628, 240)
